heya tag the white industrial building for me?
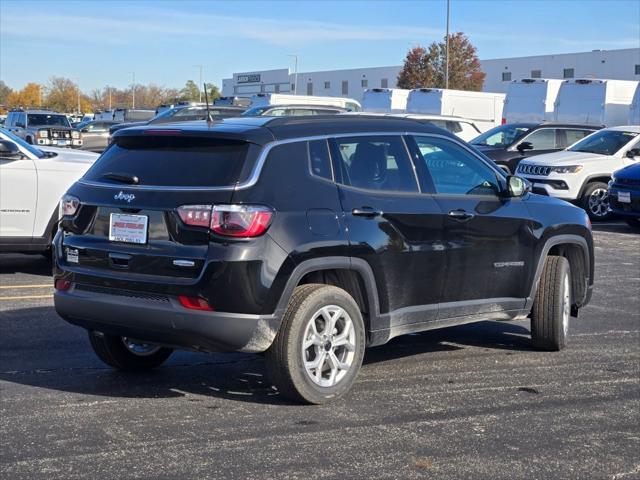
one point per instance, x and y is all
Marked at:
(623, 64)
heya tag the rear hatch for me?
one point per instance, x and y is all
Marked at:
(129, 223)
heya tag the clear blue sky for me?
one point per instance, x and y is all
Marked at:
(99, 42)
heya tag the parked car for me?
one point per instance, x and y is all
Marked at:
(95, 135)
(508, 144)
(580, 173)
(216, 252)
(32, 180)
(292, 110)
(232, 102)
(184, 113)
(624, 193)
(43, 127)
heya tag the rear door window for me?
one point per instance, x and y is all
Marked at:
(543, 139)
(173, 161)
(374, 163)
(571, 136)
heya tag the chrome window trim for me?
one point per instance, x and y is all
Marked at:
(267, 147)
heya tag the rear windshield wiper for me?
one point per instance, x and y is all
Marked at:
(122, 177)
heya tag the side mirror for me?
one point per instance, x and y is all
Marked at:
(85, 130)
(634, 152)
(9, 150)
(517, 186)
(525, 146)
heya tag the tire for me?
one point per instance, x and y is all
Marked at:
(291, 366)
(552, 306)
(595, 201)
(633, 222)
(112, 350)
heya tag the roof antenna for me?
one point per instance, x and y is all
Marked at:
(206, 99)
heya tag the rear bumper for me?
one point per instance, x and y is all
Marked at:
(163, 320)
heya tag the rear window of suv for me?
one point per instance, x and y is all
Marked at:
(172, 161)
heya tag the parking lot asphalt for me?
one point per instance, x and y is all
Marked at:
(473, 401)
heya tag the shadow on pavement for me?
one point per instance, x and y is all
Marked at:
(32, 264)
(57, 356)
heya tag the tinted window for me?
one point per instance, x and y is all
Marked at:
(572, 136)
(173, 161)
(543, 139)
(375, 163)
(48, 120)
(501, 136)
(319, 160)
(454, 170)
(604, 142)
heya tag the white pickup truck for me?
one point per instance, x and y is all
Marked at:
(32, 181)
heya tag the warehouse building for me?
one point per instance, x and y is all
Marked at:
(622, 64)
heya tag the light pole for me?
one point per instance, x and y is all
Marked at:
(295, 74)
(109, 93)
(133, 89)
(199, 84)
(77, 79)
(446, 72)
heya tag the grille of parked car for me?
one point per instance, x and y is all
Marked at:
(529, 169)
(60, 133)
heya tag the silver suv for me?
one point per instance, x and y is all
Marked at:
(42, 127)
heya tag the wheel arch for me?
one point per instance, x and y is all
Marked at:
(576, 250)
(351, 274)
(601, 177)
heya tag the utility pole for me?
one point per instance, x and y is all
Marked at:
(133, 90)
(446, 72)
(295, 74)
(199, 84)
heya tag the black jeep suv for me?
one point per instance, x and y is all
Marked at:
(308, 238)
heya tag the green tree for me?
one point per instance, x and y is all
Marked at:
(426, 67)
(213, 91)
(190, 92)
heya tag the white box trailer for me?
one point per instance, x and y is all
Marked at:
(262, 99)
(484, 108)
(634, 109)
(531, 100)
(595, 101)
(385, 100)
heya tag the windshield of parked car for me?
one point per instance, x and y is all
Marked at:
(604, 142)
(49, 120)
(501, 136)
(256, 111)
(171, 112)
(7, 135)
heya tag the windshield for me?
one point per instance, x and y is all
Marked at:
(255, 111)
(604, 142)
(47, 120)
(501, 136)
(30, 148)
(168, 113)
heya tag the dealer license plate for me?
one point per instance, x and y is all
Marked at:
(128, 228)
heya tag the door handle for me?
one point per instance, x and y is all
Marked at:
(461, 215)
(366, 212)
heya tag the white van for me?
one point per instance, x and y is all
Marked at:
(261, 99)
(385, 100)
(595, 101)
(484, 108)
(634, 110)
(107, 115)
(531, 100)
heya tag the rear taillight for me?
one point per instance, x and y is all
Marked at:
(195, 303)
(69, 205)
(239, 221)
(196, 215)
(62, 285)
